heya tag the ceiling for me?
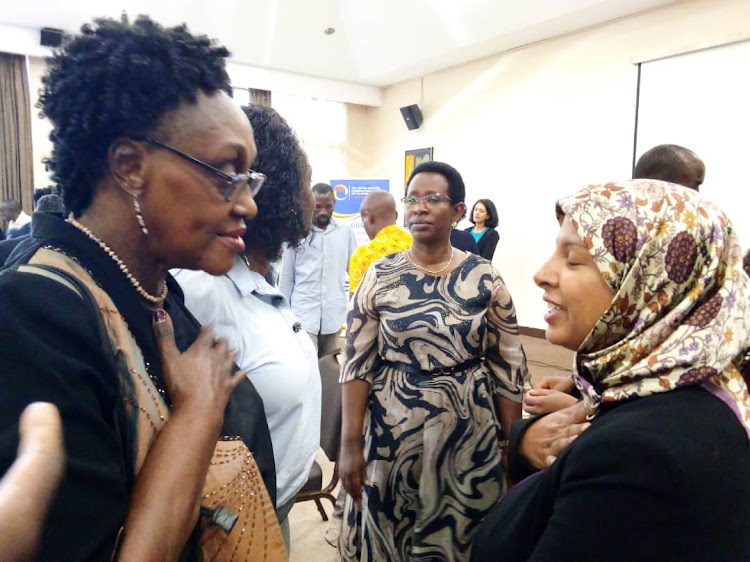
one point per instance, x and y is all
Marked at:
(379, 42)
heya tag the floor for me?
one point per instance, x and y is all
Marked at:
(307, 527)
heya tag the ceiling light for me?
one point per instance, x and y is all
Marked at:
(329, 31)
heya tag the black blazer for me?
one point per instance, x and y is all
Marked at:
(487, 243)
(463, 241)
(665, 477)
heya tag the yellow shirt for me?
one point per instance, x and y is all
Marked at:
(388, 241)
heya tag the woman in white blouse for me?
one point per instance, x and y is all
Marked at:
(253, 315)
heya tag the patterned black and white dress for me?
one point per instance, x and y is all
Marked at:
(431, 441)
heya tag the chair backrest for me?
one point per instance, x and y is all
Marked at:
(330, 414)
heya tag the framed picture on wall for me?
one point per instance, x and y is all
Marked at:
(412, 159)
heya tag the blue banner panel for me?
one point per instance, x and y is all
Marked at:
(349, 195)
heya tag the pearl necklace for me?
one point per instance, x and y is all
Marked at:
(430, 271)
(133, 281)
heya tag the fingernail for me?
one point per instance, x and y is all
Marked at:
(160, 316)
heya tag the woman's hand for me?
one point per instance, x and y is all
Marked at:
(201, 378)
(547, 437)
(352, 469)
(545, 400)
(559, 383)
(165, 501)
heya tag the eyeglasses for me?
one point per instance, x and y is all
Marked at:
(429, 199)
(235, 182)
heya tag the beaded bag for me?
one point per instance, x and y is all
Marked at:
(238, 520)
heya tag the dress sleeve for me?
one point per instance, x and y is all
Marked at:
(505, 356)
(52, 351)
(362, 326)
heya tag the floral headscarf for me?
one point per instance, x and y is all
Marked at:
(681, 311)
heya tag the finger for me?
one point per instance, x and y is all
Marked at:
(350, 485)
(29, 485)
(551, 381)
(576, 429)
(205, 336)
(356, 491)
(533, 409)
(221, 344)
(40, 429)
(164, 332)
(236, 379)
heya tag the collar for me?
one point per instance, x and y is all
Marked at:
(249, 282)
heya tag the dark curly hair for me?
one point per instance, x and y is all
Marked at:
(492, 220)
(282, 217)
(118, 79)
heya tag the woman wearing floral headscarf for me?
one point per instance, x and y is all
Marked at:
(646, 285)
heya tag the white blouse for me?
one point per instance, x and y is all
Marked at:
(277, 355)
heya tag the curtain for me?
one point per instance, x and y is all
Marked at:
(261, 97)
(16, 157)
(322, 127)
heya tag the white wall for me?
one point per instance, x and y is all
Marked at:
(528, 126)
(701, 100)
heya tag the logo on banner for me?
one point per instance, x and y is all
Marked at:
(349, 195)
(340, 192)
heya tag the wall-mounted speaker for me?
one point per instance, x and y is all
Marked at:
(51, 37)
(412, 116)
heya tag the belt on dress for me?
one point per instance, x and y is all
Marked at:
(412, 370)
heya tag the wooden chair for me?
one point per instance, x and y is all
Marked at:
(330, 434)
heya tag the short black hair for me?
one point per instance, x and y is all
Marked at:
(282, 217)
(672, 163)
(41, 192)
(322, 188)
(118, 79)
(492, 220)
(456, 188)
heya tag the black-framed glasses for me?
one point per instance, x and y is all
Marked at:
(235, 182)
(429, 199)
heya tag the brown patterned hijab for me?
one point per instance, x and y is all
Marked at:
(681, 311)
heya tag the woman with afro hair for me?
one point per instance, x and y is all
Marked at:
(153, 159)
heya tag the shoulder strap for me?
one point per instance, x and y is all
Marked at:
(79, 288)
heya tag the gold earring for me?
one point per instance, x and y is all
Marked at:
(139, 215)
(454, 224)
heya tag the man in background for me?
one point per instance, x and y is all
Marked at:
(672, 163)
(313, 275)
(379, 214)
(11, 212)
(50, 204)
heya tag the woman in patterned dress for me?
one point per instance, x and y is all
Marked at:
(433, 362)
(646, 286)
